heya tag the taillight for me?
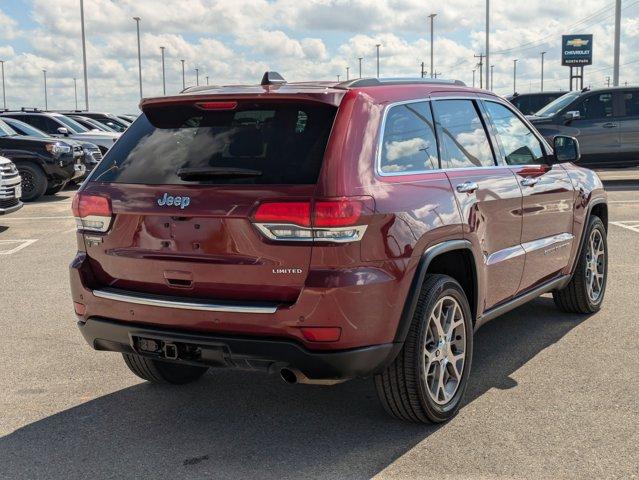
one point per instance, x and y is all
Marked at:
(92, 212)
(339, 220)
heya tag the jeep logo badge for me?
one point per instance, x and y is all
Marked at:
(169, 201)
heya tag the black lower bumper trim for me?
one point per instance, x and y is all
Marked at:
(239, 352)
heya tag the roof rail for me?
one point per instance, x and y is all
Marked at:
(30, 109)
(375, 82)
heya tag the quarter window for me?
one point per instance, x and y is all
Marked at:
(519, 144)
(463, 136)
(409, 143)
(631, 103)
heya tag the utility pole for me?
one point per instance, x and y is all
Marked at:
(46, 104)
(481, 64)
(615, 71)
(183, 81)
(432, 68)
(514, 76)
(163, 72)
(487, 39)
(137, 25)
(207, 79)
(542, 70)
(75, 91)
(608, 81)
(4, 95)
(422, 69)
(197, 77)
(491, 77)
(338, 78)
(84, 58)
(360, 66)
(348, 73)
(377, 47)
(474, 77)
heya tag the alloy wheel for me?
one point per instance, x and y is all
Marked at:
(444, 350)
(28, 183)
(595, 265)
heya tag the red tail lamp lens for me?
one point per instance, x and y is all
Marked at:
(337, 213)
(217, 105)
(90, 205)
(321, 334)
(298, 213)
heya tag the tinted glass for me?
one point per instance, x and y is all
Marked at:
(596, 106)
(6, 130)
(631, 103)
(25, 129)
(463, 137)
(270, 143)
(409, 143)
(520, 146)
(72, 125)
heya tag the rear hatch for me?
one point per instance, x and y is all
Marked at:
(182, 185)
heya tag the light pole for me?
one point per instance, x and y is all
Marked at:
(514, 76)
(163, 72)
(377, 47)
(487, 38)
(360, 66)
(491, 77)
(432, 68)
(4, 96)
(338, 78)
(474, 70)
(542, 70)
(348, 77)
(137, 25)
(84, 58)
(197, 77)
(615, 69)
(46, 104)
(207, 79)
(75, 91)
(183, 81)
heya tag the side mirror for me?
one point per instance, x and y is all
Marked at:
(566, 149)
(63, 131)
(572, 115)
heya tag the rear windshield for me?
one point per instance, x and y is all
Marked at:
(255, 143)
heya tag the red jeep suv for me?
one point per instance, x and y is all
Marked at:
(327, 231)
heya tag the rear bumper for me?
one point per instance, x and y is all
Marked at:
(270, 355)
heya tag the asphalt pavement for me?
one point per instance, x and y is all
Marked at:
(551, 395)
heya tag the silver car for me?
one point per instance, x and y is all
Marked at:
(10, 188)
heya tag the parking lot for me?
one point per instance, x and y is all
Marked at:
(551, 396)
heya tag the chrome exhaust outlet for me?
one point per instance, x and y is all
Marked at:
(288, 375)
(291, 376)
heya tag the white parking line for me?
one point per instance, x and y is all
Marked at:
(36, 218)
(632, 225)
(623, 201)
(22, 244)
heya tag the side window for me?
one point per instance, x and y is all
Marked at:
(596, 106)
(520, 145)
(463, 136)
(408, 142)
(631, 103)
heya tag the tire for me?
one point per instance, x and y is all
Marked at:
(53, 189)
(404, 388)
(34, 182)
(160, 371)
(580, 296)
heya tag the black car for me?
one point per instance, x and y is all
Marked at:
(114, 123)
(45, 165)
(605, 120)
(529, 103)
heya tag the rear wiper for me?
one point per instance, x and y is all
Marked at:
(190, 173)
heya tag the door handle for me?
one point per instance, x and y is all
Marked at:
(467, 187)
(609, 125)
(529, 181)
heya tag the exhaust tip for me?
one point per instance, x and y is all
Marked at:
(288, 376)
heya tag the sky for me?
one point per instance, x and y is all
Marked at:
(236, 41)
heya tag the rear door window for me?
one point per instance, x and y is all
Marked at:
(254, 143)
(596, 106)
(409, 144)
(462, 135)
(630, 102)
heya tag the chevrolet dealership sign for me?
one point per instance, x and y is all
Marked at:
(576, 50)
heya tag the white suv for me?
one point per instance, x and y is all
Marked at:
(10, 188)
